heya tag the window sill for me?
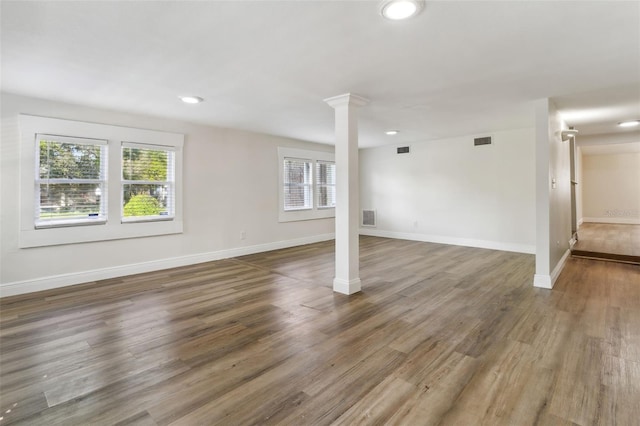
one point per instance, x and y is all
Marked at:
(68, 223)
(78, 234)
(144, 219)
(300, 215)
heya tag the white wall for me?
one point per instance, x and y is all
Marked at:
(451, 191)
(553, 195)
(230, 185)
(611, 188)
(580, 186)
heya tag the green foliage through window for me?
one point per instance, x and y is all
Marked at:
(142, 205)
(147, 181)
(70, 179)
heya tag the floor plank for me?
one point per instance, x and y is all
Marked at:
(439, 335)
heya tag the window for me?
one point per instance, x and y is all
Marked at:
(74, 174)
(147, 182)
(70, 181)
(297, 184)
(308, 184)
(326, 184)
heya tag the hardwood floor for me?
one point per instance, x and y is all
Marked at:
(440, 335)
(609, 241)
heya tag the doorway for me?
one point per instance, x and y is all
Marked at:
(605, 196)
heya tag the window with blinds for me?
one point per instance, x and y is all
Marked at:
(148, 182)
(298, 191)
(71, 176)
(326, 184)
(307, 184)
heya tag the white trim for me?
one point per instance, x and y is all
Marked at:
(456, 241)
(347, 286)
(580, 222)
(29, 236)
(617, 220)
(542, 281)
(572, 242)
(346, 99)
(548, 281)
(559, 267)
(307, 213)
(57, 281)
(148, 146)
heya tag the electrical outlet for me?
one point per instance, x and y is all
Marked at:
(243, 235)
(415, 224)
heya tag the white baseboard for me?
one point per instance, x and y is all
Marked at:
(467, 242)
(542, 281)
(57, 281)
(548, 281)
(614, 220)
(347, 286)
(580, 222)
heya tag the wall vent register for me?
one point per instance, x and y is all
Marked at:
(402, 150)
(369, 218)
(482, 141)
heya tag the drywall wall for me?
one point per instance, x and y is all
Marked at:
(611, 187)
(230, 183)
(553, 195)
(453, 192)
(580, 186)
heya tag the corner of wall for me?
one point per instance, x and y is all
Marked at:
(548, 281)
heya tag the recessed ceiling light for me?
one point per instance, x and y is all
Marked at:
(630, 123)
(400, 9)
(191, 99)
(391, 132)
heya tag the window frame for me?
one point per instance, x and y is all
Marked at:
(306, 186)
(169, 182)
(320, 184)
(40, 223)
(314, 212)
(113, 228)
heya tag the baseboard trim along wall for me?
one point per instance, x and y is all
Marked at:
(466, 242)
(542, 281)
(57, 281)
(548, 281)
(614, 220)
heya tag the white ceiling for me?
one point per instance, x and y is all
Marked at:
(458, 68)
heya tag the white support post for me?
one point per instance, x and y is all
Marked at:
(347, 278)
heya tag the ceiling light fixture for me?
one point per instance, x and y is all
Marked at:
(191, 99)
(630, 123)
(391, 132)
(400, 9)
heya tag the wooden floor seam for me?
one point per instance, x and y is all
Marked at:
(440, 335)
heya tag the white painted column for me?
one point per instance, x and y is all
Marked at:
(347, 278)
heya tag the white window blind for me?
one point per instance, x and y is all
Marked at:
(326, 183)
(71, 175)
(148, 182)
(298, 184)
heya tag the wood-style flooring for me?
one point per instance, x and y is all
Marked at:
(608, 241)
(439, 335)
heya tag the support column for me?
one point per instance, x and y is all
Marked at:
(347, 278)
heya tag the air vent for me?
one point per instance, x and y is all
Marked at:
(369, 218)
(482, 141)
(403, 150)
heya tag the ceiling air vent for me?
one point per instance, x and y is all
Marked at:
(369, 218)
(403, 150)
(482, 141)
